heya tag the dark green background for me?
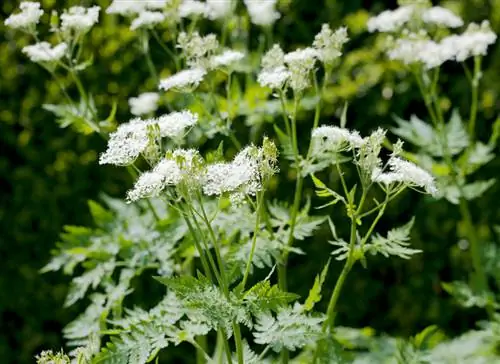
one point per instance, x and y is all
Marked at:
(47, 174)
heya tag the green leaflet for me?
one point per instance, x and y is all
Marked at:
(315, 292)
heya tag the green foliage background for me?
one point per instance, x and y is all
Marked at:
(47, 174)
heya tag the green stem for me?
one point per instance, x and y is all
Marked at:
(200, 344)
(254, 240)
(474, 101)
(167, 50)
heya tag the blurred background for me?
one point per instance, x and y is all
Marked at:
(48, 173)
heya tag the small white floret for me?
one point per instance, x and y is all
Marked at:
(147, 19)
(79, 19)
(28, 17)
(44, 52)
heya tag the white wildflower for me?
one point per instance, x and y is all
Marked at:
(402, 171)
(275, 57)
(334, 139)
(28, 18)
(300, 64)
(262, 12)
(391, 20)
(183, 80)
(145, 103)
(44, 52)
(174, 125)
(79, 19)
(440, 16)
(415, 49)
(473, 42)
(126, 7)
(328, 44)
(150, 184)
(126, 143)
(197, 49)
(194, 8)
(219, 9)
(274, 78)
(131, 7)
(240, 175)
(147, 19)
(227, 58)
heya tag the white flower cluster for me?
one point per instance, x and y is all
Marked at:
(407, 173)
(27, 19)
(44, 52)
(132, 138)
(394, 20)
(473, 42)
(202, 54)
(211, 9)
(145, 103)
(131, 7)
(329, 44)
(185, 80)
(79, 19)
(333, 139)
(390, 20)
(179, 165)
(226, 59)
(417, 48)
(243, 176)
(262, 12)
(147, 19)
(294, 69)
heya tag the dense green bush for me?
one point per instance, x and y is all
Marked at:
(49, 173)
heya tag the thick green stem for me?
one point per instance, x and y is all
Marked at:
(474, 101)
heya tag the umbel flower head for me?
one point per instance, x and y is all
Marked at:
(245, 175)
(180, 166)
(43, 52)
(145, 103)
(79, 19)
(183, 81)
(147, 19)
(131, 7)
(262, 12)
(328, 44)
(27, 19)
(197, 49)
(133, 138)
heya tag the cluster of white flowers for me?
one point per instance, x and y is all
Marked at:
(226, 58)
(329, 44)
(241, 177)
(44, 52)
(27, 19)
(300, 64)
(394, 20)
(79, 19)
(262, 12)
(147, 19)
(178, 166)
(334, 139)
(417, 48)
(390, 20)
(407, 173)
(185, 80)
(132, 138)
(274, 73)
(197, 49)
(442, 17)
(294, 69)
(131, 7)
(145, 103)
(126, 143)
(473, 42)
(174, 125)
